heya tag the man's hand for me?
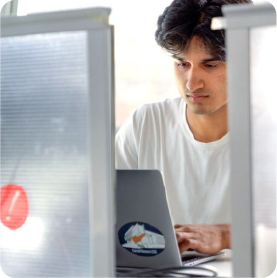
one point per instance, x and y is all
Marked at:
(206, 239)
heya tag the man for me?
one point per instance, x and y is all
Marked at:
(187, 138)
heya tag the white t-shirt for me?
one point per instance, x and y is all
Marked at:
(195, 174)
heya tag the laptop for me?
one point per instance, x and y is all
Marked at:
(145, 236)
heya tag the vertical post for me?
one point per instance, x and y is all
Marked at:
(10, 8)
(101, 171)
(242, 230)
(14, 7)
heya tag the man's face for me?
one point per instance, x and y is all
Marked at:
(201, 79)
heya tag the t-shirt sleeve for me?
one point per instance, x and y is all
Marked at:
(126, 155)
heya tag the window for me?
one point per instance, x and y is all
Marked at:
(143, 71)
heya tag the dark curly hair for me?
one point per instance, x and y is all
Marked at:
(184, 19)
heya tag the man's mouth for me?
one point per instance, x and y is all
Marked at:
(197, 98)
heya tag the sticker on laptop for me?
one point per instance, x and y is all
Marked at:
(141, 239)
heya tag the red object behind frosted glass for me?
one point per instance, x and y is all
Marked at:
(14, 206)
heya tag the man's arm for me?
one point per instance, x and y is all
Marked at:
(206, 239)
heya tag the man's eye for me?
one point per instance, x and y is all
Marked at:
(182, 65)
(210, 66)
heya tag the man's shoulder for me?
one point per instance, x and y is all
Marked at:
(169, 107)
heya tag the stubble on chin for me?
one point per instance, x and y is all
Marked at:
(205, 111)
(198, 111)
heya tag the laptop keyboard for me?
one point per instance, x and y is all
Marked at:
(185, 260)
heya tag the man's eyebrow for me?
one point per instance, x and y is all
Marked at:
(177, 57)
(212, 59)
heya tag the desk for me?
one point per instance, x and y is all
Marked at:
(222, 265)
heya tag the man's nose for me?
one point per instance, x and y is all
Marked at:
(194, 80)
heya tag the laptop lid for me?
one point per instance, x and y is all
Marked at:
(144, 231)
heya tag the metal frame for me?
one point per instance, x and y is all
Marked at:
(239, 102)
(10, 8)
(61, 21)
(103, 169)
(101, 174)
(238, 20)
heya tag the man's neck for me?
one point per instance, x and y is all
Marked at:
(208, 128)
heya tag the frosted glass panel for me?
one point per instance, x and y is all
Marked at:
(264, 99)
(44, 95)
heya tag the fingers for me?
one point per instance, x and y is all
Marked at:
(188, 244)
(185, 228)
(185, 241)
(181, 236)
(205, 239)
(182, 226)
(177, 226)
(188, 241)
(184, 245)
